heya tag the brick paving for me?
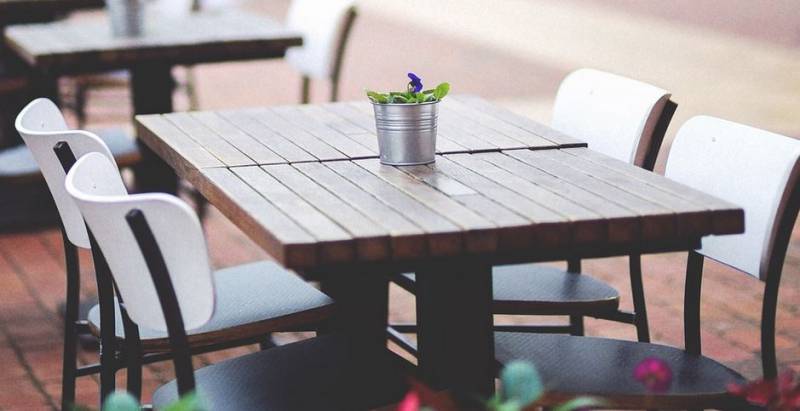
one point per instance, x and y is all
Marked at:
(31, 267)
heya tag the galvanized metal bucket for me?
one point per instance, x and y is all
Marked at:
(407, 132)
(126, 17)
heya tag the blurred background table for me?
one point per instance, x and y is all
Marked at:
(77, 47)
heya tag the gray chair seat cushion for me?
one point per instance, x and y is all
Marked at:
(251, 300)
(17, 163)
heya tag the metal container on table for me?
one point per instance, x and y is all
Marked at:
(407, 132)
(126, 17)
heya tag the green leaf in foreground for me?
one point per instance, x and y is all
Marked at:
(189, 402)
(441, 90)
(579, 403)
(521, 382)
(121, 401)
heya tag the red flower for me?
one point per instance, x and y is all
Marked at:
(654, 373)
(410, 402)
(780, 394)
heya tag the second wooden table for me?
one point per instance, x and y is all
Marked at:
(76, 47)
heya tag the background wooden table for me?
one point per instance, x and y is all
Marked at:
(68, 47)
(351, 222)
(25, 11)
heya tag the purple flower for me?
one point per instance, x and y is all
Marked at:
(654, 373)
(415, 84)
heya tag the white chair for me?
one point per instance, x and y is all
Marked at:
(619, 117)
(154, 247)
(752, 168)
(242, 316)
(326, 29)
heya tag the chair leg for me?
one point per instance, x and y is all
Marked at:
(335, 89)
(267, 343)
(575, 321)
(69, 365)
(200, 204)
(81, 92)
(639, 304)
(133, 355)
(191, 89)
(305, 90)
(576, 325)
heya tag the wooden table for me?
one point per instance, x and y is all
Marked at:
(351, 221)
(64, 48)
(24, 11)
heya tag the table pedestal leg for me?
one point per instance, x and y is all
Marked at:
(455, 340)
(151, 90)
(362, 301)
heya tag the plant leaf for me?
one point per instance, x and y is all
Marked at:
(121, 401)
(579, 403)
(189, 402)
(399, 98)
(441, 90)
(521, 383)
(377, 97)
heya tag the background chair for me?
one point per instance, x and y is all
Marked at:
(243, 315)
(80, 86)
(154, 248)
(625, 119)
(326, 29)
(707, 155)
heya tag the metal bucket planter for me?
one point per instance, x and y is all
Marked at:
(126, 17)
(407, 132)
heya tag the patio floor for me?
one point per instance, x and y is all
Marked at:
(704, 72)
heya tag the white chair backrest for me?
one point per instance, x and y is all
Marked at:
(94, 184)
(752, 168)
(613, 114)
(322, 24)
(42, 126)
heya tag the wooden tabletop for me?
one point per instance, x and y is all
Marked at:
(76, 46)
(13, 11)
(337, 131)
(310, 214)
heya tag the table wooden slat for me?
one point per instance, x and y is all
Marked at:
(334, 243)
(657, 221)
(283, 238)
(249, 123)
(550, 134)
(623, 224)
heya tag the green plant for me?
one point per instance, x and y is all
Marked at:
(122, 401)
(521, 388)
(413, 94)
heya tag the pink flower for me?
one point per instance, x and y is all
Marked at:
(781, 394)
(410, 402)
(654, 373)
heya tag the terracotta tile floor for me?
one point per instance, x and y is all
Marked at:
(31, 263)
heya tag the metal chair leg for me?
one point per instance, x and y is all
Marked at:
(81, 92)
(69, 364)
(305, 90)
(267, 343)
(132, 355)
(575, 321)
(639, 304)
